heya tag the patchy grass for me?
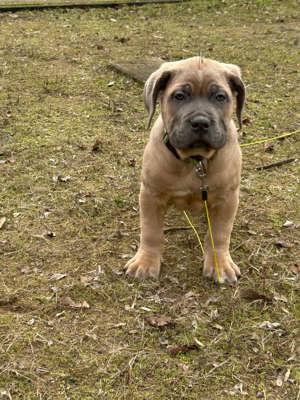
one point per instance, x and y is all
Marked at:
(72, 210)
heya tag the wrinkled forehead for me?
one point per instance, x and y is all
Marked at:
(199, 80)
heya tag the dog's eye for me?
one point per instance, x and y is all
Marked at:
(179, 96)
(220, 97)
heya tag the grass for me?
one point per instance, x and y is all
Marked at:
(72, 210)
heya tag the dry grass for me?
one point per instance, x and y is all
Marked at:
(71, 325)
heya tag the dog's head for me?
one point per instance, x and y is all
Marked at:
(197, 102)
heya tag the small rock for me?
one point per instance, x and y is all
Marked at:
(282, 245)
(288, 224)
(50, 234)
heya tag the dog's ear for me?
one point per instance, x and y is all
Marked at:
(233, 73)
(154, 85)
(238, 87)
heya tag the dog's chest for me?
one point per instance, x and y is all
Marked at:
(187, 200)
(182, 193)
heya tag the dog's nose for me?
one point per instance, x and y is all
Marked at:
(200, 123)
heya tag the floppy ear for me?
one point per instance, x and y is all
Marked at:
(238, 88)
(155, 84)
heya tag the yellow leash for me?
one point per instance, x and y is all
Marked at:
(204, 198)
(217, 268)
(195, 231)
(270, 139)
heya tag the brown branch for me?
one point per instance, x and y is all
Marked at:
(276, 164)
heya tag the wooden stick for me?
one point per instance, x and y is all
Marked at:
(276, 164)
(177, 228)
(12, 5)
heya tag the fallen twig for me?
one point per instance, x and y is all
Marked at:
(12, 4)
(276, 164)
(177, 228)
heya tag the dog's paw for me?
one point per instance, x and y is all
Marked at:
(143, 265)
(228, 270)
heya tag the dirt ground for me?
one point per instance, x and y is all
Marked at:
(72, 132)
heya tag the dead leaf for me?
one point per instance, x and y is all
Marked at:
(6, 301)
(61, 178)
(86, 280)
(198, 343)
(4, 394)
(185, 368)
(269, 147)
(69, 303)
(236, 390)
(2, 222)
(294, 269)
(160, 321)
(57, 277)
(217, 326)
(96, 146)
(287, 375)
(252, 295)
(212, 300)
(269, 325)
(182, 349)
(119, 325)
(247, 121)
(282, 298)
(92, 336)
(279, 381)
(143, 308)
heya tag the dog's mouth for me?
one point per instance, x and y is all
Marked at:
(201, 152)
(213, 140)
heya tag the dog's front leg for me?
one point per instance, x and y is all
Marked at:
(146, 262)
(222, 211)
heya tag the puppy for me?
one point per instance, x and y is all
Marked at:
(193, 150)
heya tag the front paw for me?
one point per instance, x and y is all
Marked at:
(143, 265)
(228, 270)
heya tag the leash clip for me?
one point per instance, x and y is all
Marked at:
(201, 169)
(204, 192)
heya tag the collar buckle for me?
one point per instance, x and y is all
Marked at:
(201, 169)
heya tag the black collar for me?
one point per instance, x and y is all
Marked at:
(170, 146)
(193, 159)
